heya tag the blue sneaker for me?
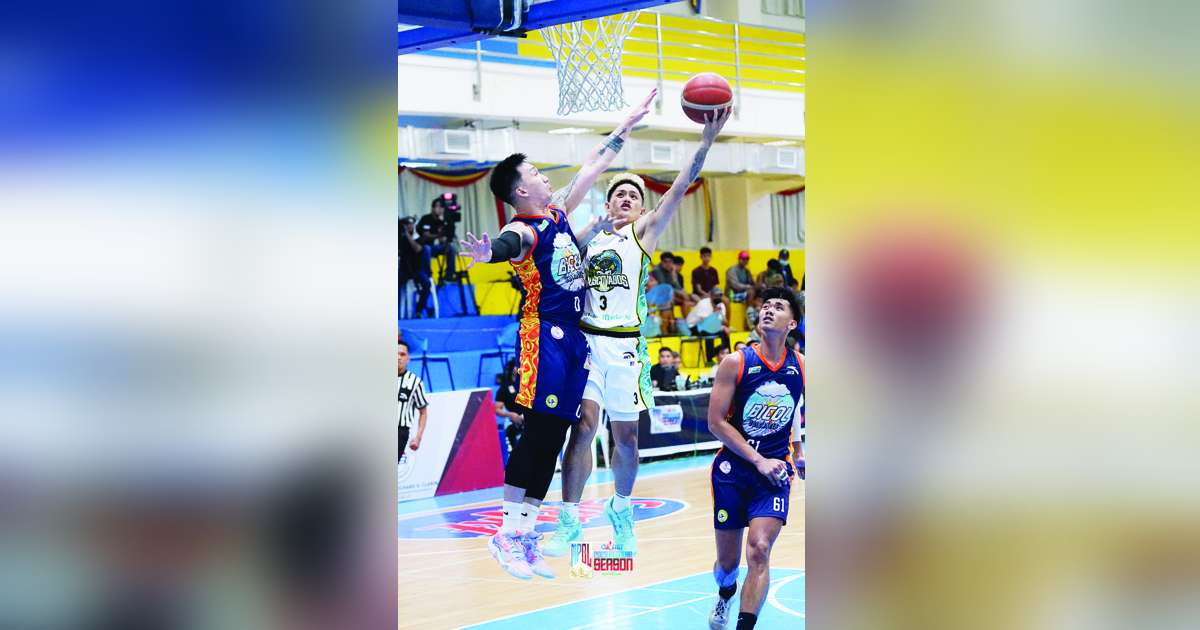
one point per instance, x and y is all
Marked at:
(622, 524)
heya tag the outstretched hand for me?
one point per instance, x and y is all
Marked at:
(640, 110)
(713, 122)
(480, 250)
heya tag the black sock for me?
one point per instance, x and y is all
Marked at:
(727, 591)
(746, 621)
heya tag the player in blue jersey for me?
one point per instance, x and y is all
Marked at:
(541, 245)
(755, 409)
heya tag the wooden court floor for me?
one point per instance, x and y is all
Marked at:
(452, 583)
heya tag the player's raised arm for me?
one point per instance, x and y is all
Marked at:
(514, 242)
(718, 409)
(598, 159)
(653, 224)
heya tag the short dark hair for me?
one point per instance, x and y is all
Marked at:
(678, 260)
(780, 293)
(783, 253)
(774, 265)
(401, 342)
(505, 177)
(437, 201)
(612, 188)
(705, 250)
(666, 256)
(663, 349)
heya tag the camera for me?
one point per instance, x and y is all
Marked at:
(453, 210)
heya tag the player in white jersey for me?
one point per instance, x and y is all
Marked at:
(617, 265)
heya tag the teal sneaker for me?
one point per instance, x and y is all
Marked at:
(622, 524)
(568, 530)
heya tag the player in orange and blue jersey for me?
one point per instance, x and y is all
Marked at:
(755, 409)
(541, 245)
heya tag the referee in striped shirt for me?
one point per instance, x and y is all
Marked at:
(410, 397)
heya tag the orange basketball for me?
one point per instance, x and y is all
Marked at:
(705, 92)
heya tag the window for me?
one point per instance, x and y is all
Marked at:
(790, 8)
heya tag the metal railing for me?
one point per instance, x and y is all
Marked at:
(665, 65)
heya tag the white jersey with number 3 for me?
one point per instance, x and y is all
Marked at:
(616, 269)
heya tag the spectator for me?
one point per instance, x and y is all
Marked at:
(704, 277)
(722, 352)
(675, 360)
(506, 397)
(770, 278)
(739, 281)
(667, 272)
(662, 374)
(785, 263)
(796, 291)
(412, 265)
(710, 305)
(739, 345)
(410, 398)
(437, 238)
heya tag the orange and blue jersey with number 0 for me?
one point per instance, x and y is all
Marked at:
(552, 351)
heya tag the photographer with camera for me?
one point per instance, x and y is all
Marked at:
(435, 232)
(413, 264)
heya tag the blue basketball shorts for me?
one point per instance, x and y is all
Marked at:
(741, 493)
(551, 362)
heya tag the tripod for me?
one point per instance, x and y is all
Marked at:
(460, 277)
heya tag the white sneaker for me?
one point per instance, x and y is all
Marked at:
(719, 617)
(533, 556)
(509, 551)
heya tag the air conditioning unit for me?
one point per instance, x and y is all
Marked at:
(457, 142)
(662, 153)
(787, 158)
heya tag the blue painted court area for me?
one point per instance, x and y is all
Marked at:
(680, 603)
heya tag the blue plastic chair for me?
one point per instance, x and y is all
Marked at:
(422, 343)
(659, 298)
(506, 343)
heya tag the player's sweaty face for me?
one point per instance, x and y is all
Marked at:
(625, 202)
(776, 314)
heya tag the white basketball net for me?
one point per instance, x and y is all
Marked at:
(589, 62)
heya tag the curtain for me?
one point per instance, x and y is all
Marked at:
(416, 195)
(688, 229)
(787, 219)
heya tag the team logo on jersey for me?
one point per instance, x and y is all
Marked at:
(556, 332)
(552, 401)
(754, 369)
(791, 369)
(485, 520)
(725, 467)
(566, 266)
(768, 409)
(604, 272)
(722, 516)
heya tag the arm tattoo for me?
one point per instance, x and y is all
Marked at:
(615, 143)
(697, 164)
(559, 198)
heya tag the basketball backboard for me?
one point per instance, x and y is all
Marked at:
(425, 25)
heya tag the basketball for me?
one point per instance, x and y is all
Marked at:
(703, 93)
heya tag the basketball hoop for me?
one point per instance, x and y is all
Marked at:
(588, 57)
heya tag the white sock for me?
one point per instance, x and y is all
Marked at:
(620, 503)
(529, 518)
(571, 509)
(511, 521)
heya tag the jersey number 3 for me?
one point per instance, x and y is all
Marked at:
(603, 302)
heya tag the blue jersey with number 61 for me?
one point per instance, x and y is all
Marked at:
(768, 401)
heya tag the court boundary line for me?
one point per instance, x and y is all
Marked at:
(591, 597)
(772, 593)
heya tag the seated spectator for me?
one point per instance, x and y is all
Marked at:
(708, 318)
(661, 304)
(667, 272)
(739, 345)
(722, 352)
(738, 280)
(770, 278)
(662, 374)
